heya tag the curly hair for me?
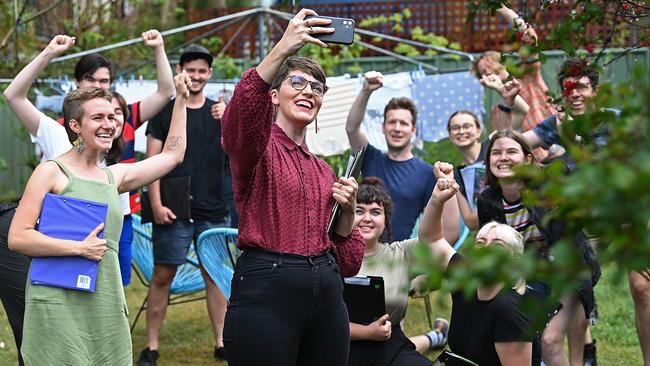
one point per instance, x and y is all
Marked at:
(372, 190)
(577, 68)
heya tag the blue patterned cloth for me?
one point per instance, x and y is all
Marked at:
(438, 96)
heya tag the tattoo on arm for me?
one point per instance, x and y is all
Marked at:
(174, 141)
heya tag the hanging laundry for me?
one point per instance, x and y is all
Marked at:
(331, 138)
(438, 96)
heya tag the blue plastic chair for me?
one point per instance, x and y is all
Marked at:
(217, 250)
(188, 279)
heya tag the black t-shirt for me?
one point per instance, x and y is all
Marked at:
(476, 325)
(204, 158)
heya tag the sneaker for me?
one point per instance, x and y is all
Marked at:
(148, 357)
(438, 335)
(219, 353)
(589, 354)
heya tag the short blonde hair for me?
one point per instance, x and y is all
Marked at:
(513, 241)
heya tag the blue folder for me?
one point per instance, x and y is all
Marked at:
(73, 219)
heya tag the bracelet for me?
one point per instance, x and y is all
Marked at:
(504, 108)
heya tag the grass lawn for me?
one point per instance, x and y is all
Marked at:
(187, 339)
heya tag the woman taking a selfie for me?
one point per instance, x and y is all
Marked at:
(286, 305)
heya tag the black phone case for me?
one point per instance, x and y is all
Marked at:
(343, 34)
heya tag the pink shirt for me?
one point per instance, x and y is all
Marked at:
(283, 191)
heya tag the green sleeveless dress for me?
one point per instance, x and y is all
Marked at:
(78, 328)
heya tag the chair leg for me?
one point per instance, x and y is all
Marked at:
(427, 307)
(137, 316)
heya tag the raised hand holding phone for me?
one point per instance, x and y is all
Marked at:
(343, 30)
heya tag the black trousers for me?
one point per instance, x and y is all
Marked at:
(398, 350)
(13, 279)
(286, 309)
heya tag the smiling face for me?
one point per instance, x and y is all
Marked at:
(119, 116)
(298, 107)
(577, 92)
(199, 71)
(398, 128)
(98, 125)
(370, 219)
(505, 154)
(463, 131)
(101, 78)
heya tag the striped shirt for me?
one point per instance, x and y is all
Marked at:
(519, 218)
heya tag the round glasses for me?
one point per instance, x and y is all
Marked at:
(465, 126)
(300, 83)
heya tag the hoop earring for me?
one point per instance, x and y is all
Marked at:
(79, 144)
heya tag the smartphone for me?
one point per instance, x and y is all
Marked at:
(343, 30)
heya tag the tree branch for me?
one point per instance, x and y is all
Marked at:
(8, 35)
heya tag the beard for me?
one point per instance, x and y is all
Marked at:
(398, 148)
(198, 91)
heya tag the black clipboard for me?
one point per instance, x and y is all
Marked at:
(355, 162)
(175, 194)
(364, 296)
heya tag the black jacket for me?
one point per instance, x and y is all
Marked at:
(490, 208)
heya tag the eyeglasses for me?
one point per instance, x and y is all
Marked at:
(465, 126)
(300, 83)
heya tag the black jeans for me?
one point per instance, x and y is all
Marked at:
(286, 309)
(13, 279)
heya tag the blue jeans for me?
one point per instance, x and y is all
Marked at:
(124, 253)
(171, 243)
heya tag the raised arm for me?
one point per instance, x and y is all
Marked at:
(431, 227)
(298, 33)
(16, 92)
(373, 80)
(513, 108)
(152, 104)
(132, 176)
(534, 141)
(23, 236)
(512, 18)
(247, 120)
(469, 216)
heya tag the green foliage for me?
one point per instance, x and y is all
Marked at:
(226, 68)
(213, 44)
(608, 194)
(330, 58)
(338, 162)
(442, 150)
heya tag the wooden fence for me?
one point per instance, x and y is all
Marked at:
(442, 17)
